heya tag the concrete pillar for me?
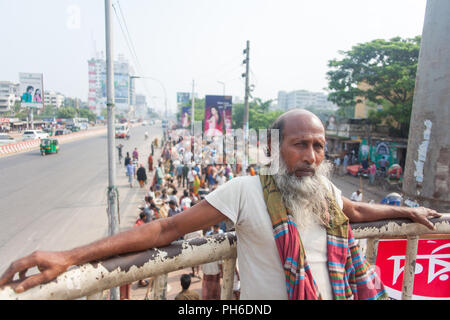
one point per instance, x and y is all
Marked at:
(427, 168)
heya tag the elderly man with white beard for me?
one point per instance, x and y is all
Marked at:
(293, 227)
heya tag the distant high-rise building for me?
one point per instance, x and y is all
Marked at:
(97, 84)
(9, 94)
(303, 99)
(54, 98)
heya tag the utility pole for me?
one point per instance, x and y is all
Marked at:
(193, 108)
(112, 195)
(427, 167)
(247, 93)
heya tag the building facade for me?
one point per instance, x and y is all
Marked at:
(303, 99)
(54, 98)
(97, 84)
(9, 94)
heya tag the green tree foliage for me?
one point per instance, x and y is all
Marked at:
(66, 112)
(389, 68)
(49, 111)
(87, 113)
(259, 115)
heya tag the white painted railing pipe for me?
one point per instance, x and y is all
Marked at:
(91, 278)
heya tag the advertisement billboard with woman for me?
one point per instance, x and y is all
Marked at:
(218, 115)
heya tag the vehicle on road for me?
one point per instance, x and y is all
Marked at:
(34, 134)
(48, 146)
(6, 139)
(61, 132)
(81, 123)
(122, 131)
(75, 128)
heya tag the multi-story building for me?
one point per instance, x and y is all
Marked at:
(53, 98)
(141, 105)
(97, 84)
(9, 94)
(303, 99)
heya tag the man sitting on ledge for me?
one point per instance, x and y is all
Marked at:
(292, 227)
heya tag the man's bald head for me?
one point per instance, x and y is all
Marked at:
(298, 118)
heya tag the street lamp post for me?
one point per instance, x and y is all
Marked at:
(162, 86)
(223, 84)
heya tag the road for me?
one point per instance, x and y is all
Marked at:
(59, 201)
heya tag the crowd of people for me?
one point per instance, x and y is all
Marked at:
(179, 180)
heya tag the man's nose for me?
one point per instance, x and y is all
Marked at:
(309, 156)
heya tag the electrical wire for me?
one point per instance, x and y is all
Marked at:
(130, 44)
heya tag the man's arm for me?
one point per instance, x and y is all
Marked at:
(151, 235)
(365, 212)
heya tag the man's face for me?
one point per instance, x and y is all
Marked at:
(303, 145)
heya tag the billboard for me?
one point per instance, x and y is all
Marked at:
(185, 116)
(218, 115)
(31, 90)
(183, 98)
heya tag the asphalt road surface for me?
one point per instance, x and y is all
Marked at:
(58, 201)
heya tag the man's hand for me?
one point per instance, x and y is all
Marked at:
(422, 214)
(365, 212)
(50, 265)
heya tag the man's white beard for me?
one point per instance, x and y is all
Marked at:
(305, 197)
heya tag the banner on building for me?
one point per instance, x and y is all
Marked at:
(31, 90)
(218, 115)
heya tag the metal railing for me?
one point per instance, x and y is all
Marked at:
(89, 280)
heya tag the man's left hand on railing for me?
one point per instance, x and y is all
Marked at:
(365, 212)
(422, 215)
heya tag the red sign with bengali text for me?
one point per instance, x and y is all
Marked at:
(432, 274)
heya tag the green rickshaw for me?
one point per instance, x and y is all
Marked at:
(49, 145)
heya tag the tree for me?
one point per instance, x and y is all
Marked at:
(49, 111)
(66, 112)
(382, 72)
(87, 113)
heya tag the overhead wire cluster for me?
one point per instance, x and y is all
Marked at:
(129, 42)
(227, 72)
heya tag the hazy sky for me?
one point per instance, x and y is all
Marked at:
(177, 41)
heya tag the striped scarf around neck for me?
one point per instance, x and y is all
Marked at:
(349, 272)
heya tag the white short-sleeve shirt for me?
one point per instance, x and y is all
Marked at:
(242, 201)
